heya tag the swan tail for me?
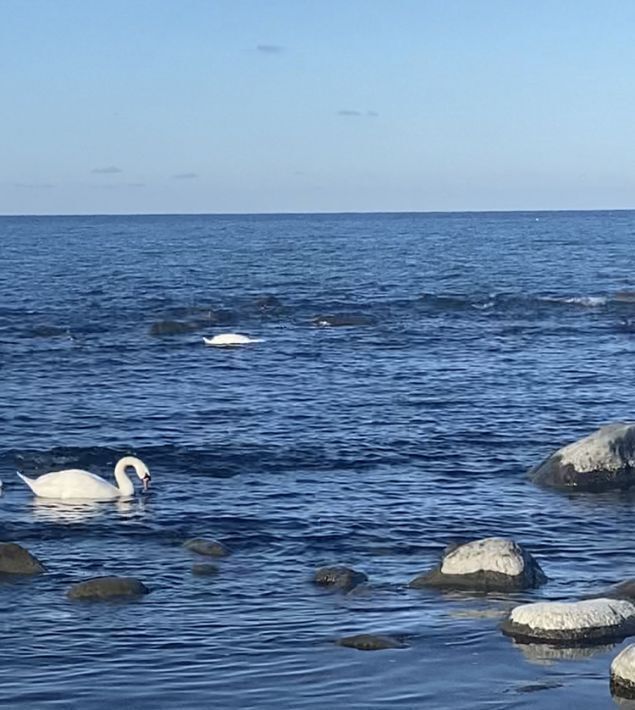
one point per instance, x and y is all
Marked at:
(29, 481)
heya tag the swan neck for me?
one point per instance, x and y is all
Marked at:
(123, 481)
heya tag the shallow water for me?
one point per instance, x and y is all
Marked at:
(493, 338)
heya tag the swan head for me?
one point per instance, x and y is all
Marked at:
(140, 469)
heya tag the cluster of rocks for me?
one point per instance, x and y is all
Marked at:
(15, 560)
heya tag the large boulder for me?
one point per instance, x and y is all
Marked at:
(15, 559)
(339, 577)
(583, 622)
(101, 588)
(623, 673)
(601, 461)
(492, 564)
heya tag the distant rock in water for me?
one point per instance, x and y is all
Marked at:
(489, 565)
(623, 673)
(268, 304)
(203, 569)
(602, 461)
(339, 577)
(624, 297)
(172, 327)
(48, 331)
(209, 548)
(370, 642)
(583, 622)
(15, 559)
(343, 320)
(101, 588)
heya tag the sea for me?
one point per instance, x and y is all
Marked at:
(411, 369)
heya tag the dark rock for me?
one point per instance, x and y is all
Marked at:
(342, 578)
(369, 642)
(202, 569)
(100, 588)
(623, 590)
(209, 548)
(593, 621)
(488, 565)
(342, 320)
(624, 297)
(602, 461)
(15, 559)
(172, 327)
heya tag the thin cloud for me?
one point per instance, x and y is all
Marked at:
(270, 48)
(356, 113)
(33, 185)
(108, 170)
(185, 176)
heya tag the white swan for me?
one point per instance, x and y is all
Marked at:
(75, 483)
(223, 340)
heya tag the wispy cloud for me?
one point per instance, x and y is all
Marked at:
(356, 113)
(108, 170)
(270, 48)
(33, 185)
(185, 176)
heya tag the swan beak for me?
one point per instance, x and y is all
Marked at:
(146, 481)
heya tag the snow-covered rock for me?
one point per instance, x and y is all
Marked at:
(589, 621)
(623, 673)
(490, 564)
(603, 460)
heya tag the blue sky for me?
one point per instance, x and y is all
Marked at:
(118, 106)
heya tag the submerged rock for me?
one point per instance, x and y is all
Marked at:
(584, 622)
(209, 548)
(339, 577)
(203, 569)
(15, 559)
(369, 642)
(624, 297)
(623, 590)
(601, 461)
(172, 327)
(342, 320)
(100, 588)
(623, 673)
(492, 564)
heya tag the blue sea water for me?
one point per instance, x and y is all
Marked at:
(490, 339)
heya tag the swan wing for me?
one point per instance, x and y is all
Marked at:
(72, 484)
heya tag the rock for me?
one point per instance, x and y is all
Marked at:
(624, 297)
(107, 588)
(369, 642)
(601, 461)
(342, 320)
(492, 564)
(202, 569)
(623, 590)
(15, 559)
(623, 673)
(584, 622)
(342, 578)
(172, 327)
(209, 548)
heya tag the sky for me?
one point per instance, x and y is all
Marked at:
(233, 106)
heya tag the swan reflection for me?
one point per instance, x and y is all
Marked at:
(58, 511)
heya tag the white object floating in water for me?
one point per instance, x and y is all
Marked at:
(223, 340)
(73, 484)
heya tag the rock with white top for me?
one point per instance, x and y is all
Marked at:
(489, 565)
(583, 622)
(623, 673)
(602, 461)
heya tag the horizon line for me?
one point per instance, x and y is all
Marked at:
(305, 213)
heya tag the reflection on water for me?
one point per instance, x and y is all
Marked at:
(78, 511)
(543, 653)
